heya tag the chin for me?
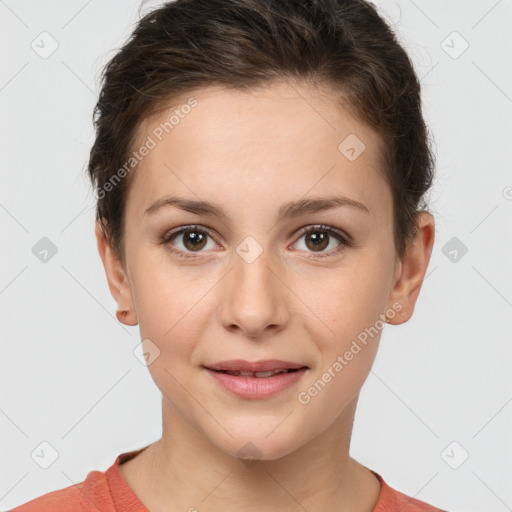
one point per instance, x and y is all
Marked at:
(254, 442)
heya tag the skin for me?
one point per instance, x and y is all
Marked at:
(251, 152)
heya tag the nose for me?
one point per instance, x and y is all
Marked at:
(253, 298)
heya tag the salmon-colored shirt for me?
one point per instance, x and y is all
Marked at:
(108, 491)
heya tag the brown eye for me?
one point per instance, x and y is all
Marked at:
(187, 240)
(193, 239)
(318, 238)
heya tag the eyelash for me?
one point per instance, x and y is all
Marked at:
(344, 241)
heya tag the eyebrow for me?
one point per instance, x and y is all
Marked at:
(288, 210)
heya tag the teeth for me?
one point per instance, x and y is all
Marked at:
(265, 374)
(256, 374)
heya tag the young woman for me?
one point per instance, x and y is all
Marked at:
(260, 170)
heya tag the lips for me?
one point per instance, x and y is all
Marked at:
(265, 368)
(256, 380)
(255, 374)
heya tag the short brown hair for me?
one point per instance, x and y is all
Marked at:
(188, 44)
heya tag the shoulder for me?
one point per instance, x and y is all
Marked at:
(91, 495)
(408, 504)
(392, 500)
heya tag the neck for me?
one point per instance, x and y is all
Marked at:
(185, 470)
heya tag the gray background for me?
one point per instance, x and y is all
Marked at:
(440, 389)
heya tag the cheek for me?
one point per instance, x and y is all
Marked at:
(345, 360)
(163, 316)
(169, 315)
(163, 295)
(346, 303)
(344, 321)
(169, 320)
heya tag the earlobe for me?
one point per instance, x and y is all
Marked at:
(126, 317)
(116, 278)
(412, 269)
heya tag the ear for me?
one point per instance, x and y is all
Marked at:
(117, 278)
(411, 269)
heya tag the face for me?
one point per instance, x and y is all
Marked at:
(292, 260)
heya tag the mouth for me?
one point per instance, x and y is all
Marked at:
(264, 368)
(256, 380)
(259, 375)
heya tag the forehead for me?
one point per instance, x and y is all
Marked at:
(262, 146)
